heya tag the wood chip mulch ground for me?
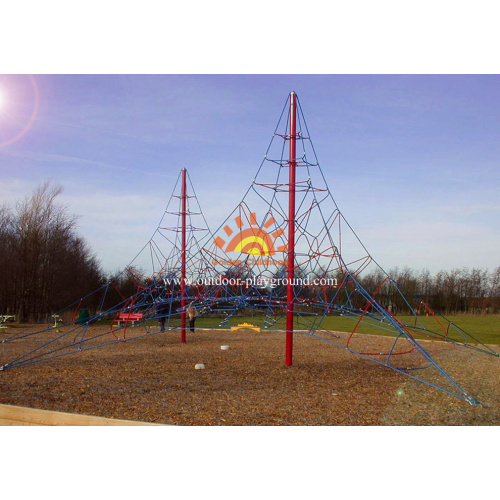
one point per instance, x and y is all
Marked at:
(154, 380)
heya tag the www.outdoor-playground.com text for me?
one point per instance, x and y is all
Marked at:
(257, 282)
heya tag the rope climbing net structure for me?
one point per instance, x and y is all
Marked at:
(285, 256)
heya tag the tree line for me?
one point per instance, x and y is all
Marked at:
(404, 291)
(459, 291)
(44, 264)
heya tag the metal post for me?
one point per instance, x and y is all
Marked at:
(183, 258)
(291, 230)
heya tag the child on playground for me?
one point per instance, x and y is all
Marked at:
(191, 314)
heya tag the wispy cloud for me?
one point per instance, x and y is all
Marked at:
(433, 245)
(77, 162)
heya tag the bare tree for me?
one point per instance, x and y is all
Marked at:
(51, 259)
(7, 261)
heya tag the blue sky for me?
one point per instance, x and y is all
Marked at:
(412, 161)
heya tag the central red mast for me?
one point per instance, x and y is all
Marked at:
(183, 257)
(292, 163)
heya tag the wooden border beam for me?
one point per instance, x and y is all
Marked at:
(19, 415)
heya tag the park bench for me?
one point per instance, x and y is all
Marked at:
(129, 318)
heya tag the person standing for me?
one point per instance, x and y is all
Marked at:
(162, 311)
(191, 314)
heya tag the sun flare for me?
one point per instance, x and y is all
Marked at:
(19, 101)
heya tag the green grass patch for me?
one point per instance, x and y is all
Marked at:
(486, 329)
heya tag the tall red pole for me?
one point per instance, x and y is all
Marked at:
(183, 258)
(291, 230)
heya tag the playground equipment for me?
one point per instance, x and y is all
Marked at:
(285, 254)
(245, 326)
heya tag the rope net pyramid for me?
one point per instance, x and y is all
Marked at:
(285, 257)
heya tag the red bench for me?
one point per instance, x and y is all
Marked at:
(129, 318)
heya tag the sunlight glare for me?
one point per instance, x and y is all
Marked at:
(2, 100)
